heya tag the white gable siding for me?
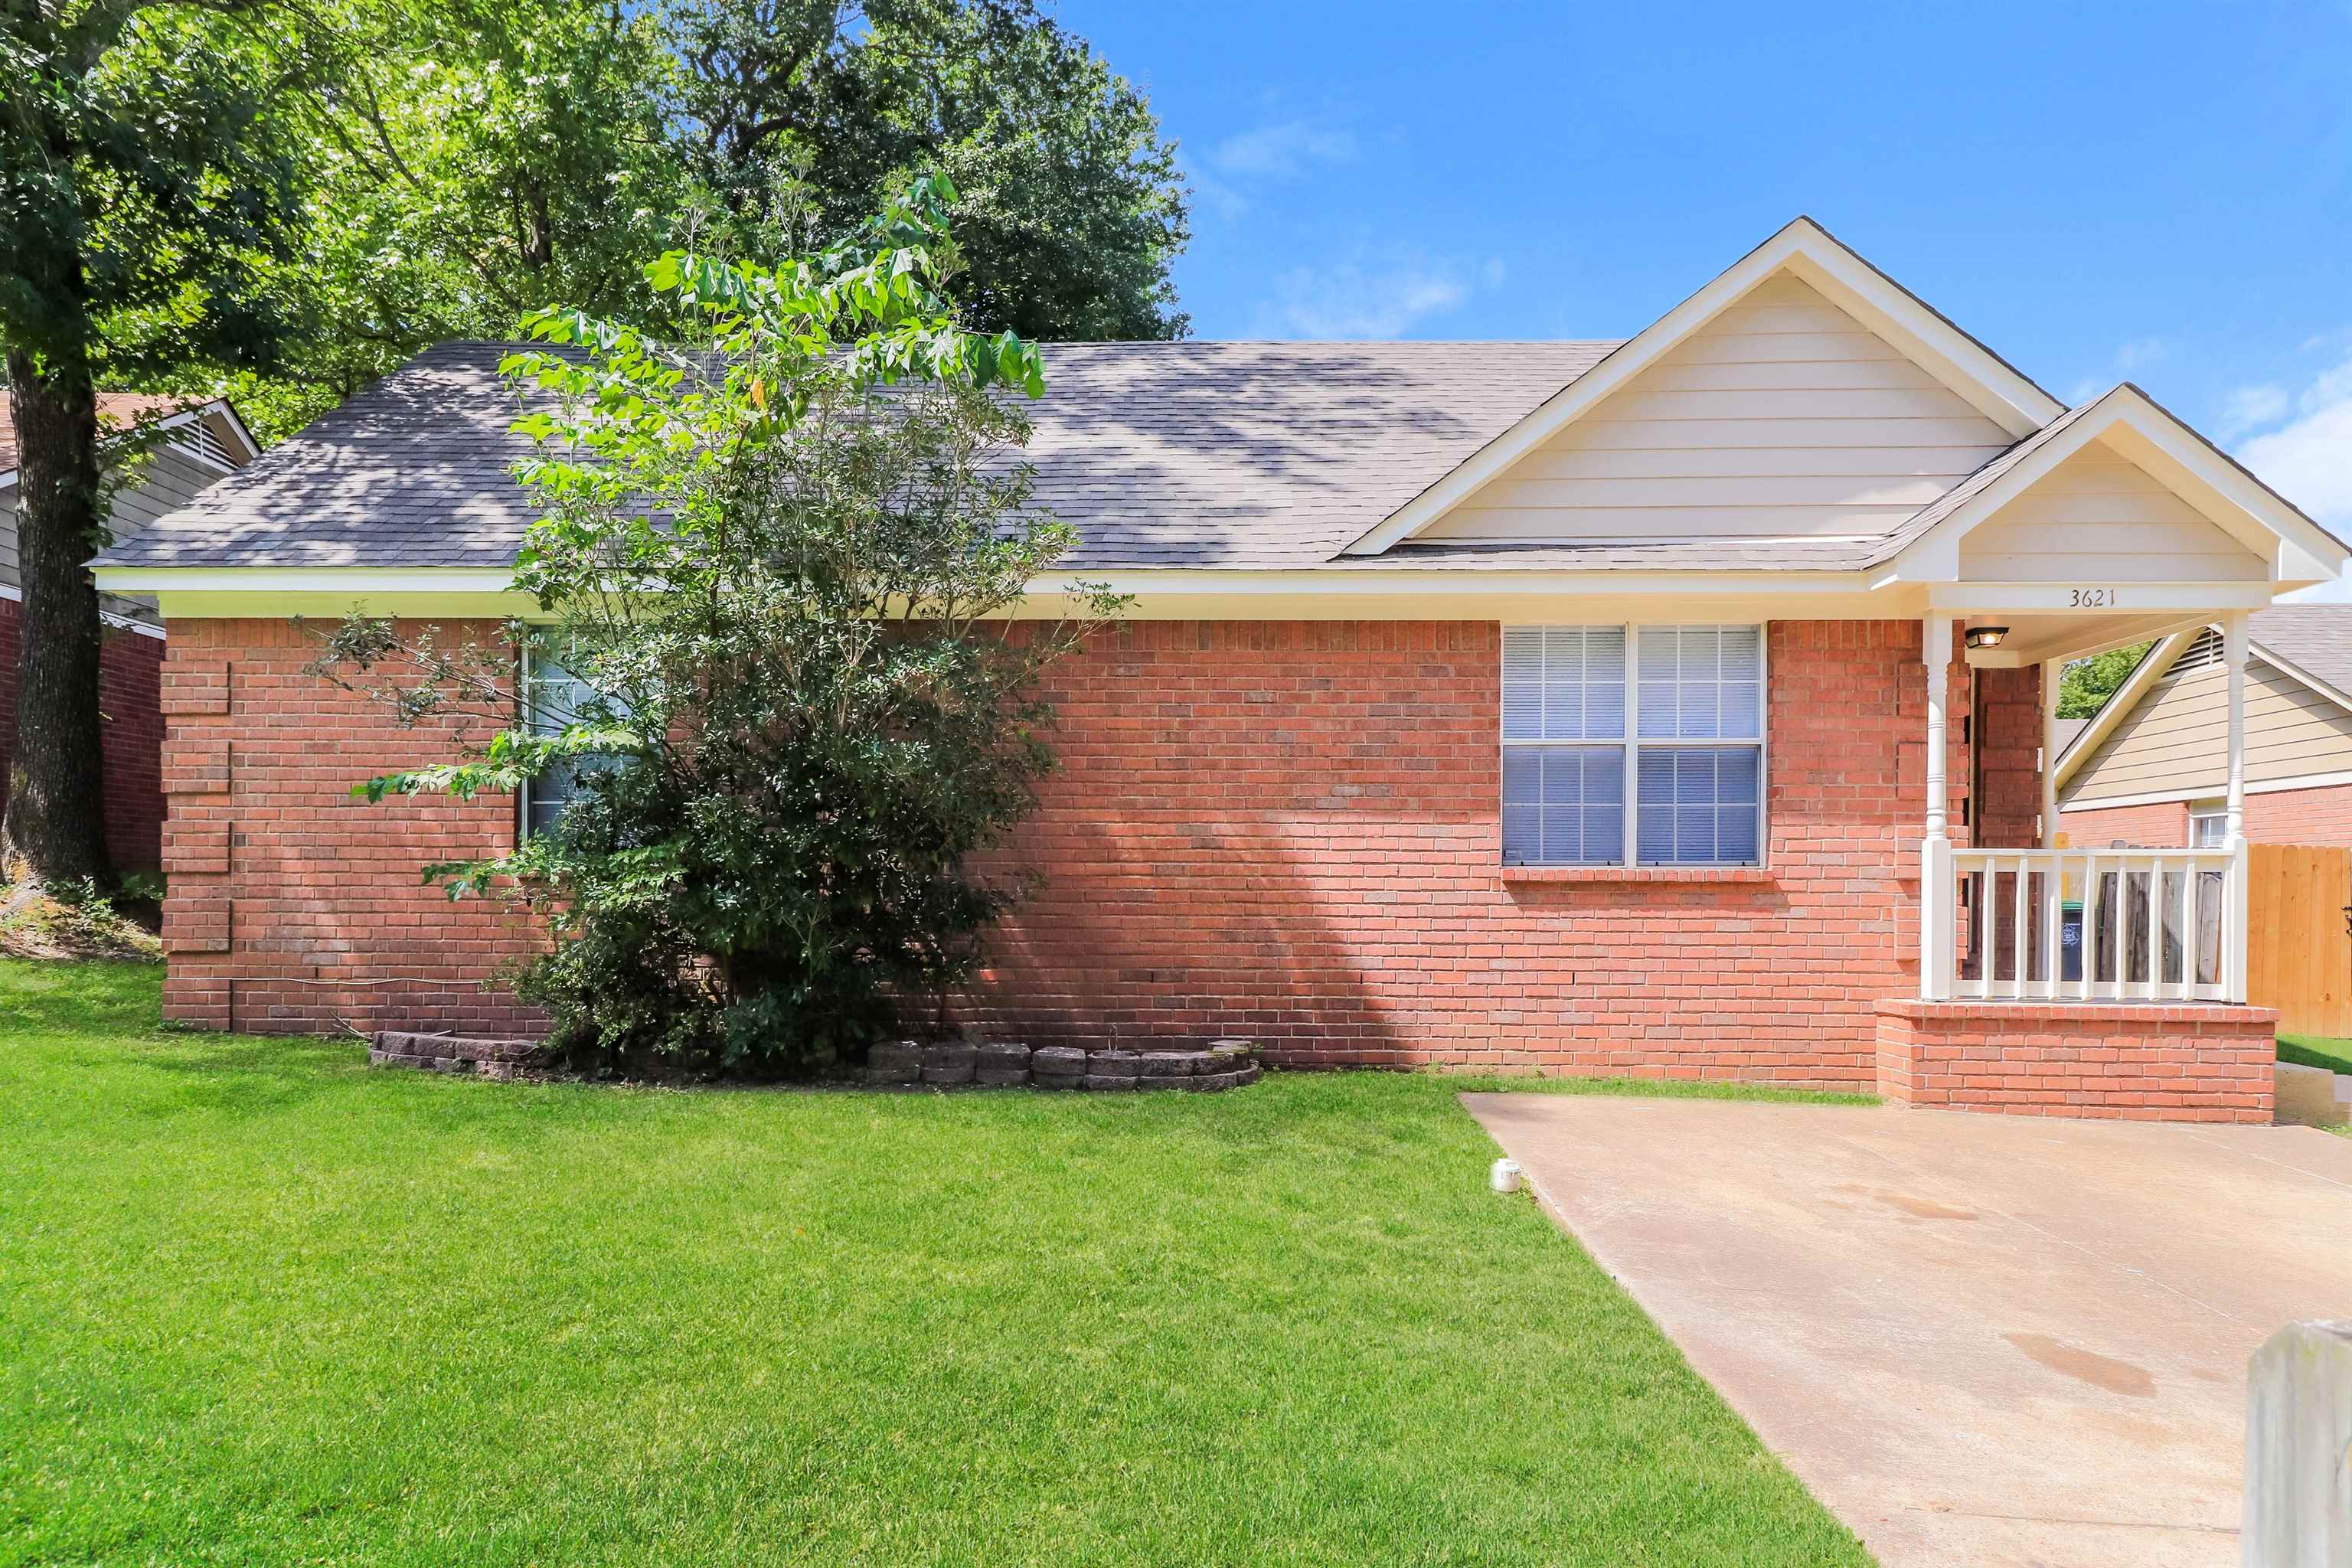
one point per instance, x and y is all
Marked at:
(2177, 741)
(1782, 417)
(2099, 518)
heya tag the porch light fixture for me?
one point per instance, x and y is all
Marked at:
(1986, 636)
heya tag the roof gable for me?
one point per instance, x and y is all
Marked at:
(2132, 426)
(1782, 418)
(1805, 252)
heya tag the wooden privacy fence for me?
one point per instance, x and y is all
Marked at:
(2298, 946)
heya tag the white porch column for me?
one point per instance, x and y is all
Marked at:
(1936, 894)
(2234, 832)
(2052, 668)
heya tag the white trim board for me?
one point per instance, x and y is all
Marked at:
(144, 628)
(2166, 797)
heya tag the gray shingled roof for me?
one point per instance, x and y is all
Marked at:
(2314, 639)
(1191, 454)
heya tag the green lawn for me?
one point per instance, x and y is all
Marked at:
(2314, 1051)
(262, 1305)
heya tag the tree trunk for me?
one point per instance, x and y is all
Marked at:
(55, 820)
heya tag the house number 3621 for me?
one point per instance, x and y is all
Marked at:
(2090, 598)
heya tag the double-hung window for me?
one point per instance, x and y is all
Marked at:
(1632, 745)
(553, 699)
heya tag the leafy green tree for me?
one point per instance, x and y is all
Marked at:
(2087, 683)
(493, 156)
(1074, 208)
(780, 568)
(148, 160)
(486, 158)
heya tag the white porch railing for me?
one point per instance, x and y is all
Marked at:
(2086, 925)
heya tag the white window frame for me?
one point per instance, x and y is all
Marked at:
(2216, 812)
(1632, 742)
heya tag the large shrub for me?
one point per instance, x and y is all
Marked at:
(778, 564)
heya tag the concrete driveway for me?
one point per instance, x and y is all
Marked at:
(1978, 1339)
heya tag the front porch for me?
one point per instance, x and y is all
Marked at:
(2071, 980)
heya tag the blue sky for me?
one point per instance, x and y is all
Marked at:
(2156, 193)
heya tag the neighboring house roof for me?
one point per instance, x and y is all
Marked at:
(2312, 642)
(213, 430)
(116, 410)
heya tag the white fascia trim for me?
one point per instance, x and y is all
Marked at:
(144, 628)
(1967, 366)
(2264, 522)
(377, 582)
(2122, 700)
(302, 579)
(2164, 797)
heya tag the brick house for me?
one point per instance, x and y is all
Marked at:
(200, 444)
(1673, 706)
(2152, 766)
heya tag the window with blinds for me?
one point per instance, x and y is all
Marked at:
(554, 699)
(1640, 741)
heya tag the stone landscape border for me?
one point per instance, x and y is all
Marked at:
(1219, 1065)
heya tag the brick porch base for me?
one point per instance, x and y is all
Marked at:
(2140, 1062)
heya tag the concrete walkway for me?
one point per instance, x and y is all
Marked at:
(1978, 1339)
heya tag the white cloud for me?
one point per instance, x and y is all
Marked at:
(1219, 197)
(2141, 352)
(2308, 458)
(1351, 300)
(2250, 408)
(1284, 149)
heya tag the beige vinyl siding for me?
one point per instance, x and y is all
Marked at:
(1783, 416)
(2177, 741)
(2098, 518)
(170, 480)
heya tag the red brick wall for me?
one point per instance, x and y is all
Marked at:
(295, 907)
(1284, 830)
(2163, 826)
(2322, 815)
(1290, 831)
(2006, 731)
(2137, 1063)
(131, 736)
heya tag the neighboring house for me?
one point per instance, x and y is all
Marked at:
(2151, 768)
(1595, 707)
(200, 444)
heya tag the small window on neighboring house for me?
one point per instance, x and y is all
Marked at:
(1640, 741)
(2208, 824)
(554, 696)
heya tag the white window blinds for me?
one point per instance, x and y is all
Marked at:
(1686, 787)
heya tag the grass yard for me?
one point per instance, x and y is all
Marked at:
(262, 1305)
(2313, 1051)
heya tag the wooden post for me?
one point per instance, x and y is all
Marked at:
(2233, 834)
(2298, 1429)
(1936, 892)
